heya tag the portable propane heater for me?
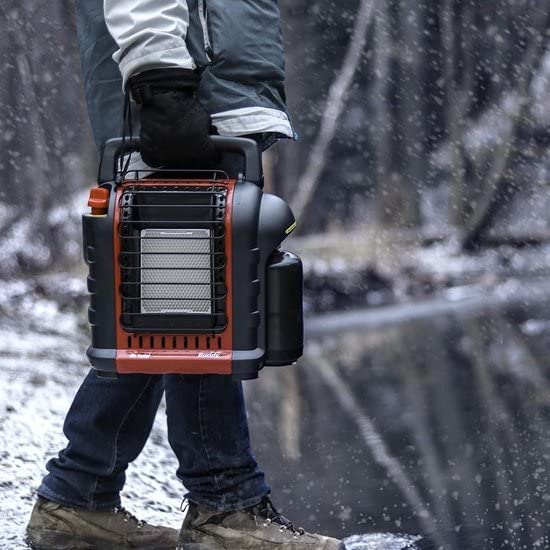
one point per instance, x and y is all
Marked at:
(185, 271)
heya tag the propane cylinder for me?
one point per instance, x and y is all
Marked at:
(285, 327)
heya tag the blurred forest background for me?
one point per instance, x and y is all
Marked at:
(421, 183)
(412, 115)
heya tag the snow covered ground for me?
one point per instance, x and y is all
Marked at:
(41, 366)
(42, 362)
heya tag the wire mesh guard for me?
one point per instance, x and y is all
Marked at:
(172, 258)
(176, 271)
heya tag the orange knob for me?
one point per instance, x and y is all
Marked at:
(99, 201)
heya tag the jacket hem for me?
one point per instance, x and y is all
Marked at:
(253, 120)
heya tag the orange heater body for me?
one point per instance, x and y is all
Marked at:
(186, 274)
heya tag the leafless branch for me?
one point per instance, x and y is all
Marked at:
(333, 108)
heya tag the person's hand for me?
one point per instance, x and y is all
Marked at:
(175, 128)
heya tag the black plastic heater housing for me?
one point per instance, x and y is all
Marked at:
(267, 315)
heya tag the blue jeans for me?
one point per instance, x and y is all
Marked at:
(110, 419)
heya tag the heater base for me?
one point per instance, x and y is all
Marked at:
(241, 365)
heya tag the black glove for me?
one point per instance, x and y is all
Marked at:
(175, 129)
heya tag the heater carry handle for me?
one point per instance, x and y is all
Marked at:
(228, 147)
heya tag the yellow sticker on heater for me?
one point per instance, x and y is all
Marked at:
(291, 228)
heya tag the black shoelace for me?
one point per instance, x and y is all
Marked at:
(266, 511)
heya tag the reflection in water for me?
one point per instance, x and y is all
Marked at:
(435, 427)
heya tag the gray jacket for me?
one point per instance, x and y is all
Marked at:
(236, 44)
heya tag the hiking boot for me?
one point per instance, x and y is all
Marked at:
(56, 527)
(260, 527)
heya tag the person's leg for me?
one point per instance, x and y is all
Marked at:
(109, 420)
(229, 503)
(208, 431)
(78, 506)
(107, 427)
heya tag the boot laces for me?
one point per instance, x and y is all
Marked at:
(128, 516)
(269, 514)
(184, 506)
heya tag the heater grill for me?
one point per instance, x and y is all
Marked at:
(176, 271)
(172, 258)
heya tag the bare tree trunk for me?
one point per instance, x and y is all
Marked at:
(290, 156)
(400, 126)
(496, 186)
(409, 131)
(458, 96)
(333, 109)
(383, 59)
(44, 119)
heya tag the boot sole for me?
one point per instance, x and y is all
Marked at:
(190, 545)
(55, 540)
(201, 546)
(186, 542)
(198, 546)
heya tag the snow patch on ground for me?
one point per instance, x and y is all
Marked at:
(381, 542)
(35, 394)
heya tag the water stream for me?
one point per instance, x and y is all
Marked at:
(436, 426)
